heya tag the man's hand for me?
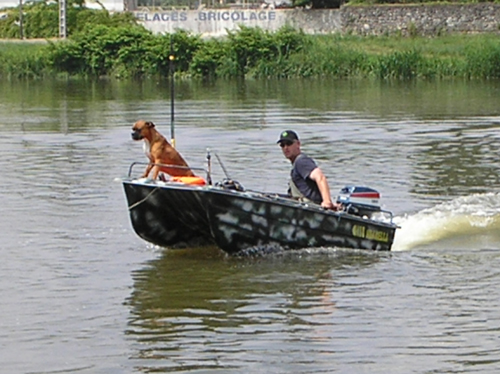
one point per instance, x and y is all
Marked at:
(330, 205)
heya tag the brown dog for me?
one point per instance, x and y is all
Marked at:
(159, 151)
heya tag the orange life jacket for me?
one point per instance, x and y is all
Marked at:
(189, 180)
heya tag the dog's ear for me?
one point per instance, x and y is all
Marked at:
(150, 124)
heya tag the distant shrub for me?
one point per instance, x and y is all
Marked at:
(41, 20)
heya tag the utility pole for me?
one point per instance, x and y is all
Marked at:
(21, 30)
(62, 19)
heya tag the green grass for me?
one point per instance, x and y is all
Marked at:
(23, 60)
(254, 53)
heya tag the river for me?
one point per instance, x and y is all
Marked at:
(81, 293)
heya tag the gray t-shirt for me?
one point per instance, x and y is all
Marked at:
(302, 168)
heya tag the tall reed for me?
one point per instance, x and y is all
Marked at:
(23, 60)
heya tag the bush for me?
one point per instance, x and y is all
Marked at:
(183, 46)
(210, 60)
(41, 20)
(100, 50)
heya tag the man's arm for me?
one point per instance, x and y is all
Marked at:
(320, 179)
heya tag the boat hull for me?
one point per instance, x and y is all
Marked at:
(239, 221)
(177, 215)
(171, 216)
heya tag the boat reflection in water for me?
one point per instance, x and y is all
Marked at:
(199, 309)
(176, 214)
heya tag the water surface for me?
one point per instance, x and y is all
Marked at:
(82, 293)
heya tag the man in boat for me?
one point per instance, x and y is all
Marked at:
(307, 180)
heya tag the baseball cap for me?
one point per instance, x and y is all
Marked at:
(288, 135)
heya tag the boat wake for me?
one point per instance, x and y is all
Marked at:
(260, 250)
(469, 222)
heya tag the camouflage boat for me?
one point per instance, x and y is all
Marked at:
(168, 214)
(177, 214)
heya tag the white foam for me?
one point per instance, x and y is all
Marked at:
(477, 214)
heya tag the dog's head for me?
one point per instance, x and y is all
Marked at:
(141, 129)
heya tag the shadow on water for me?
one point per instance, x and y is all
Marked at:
(190, 306)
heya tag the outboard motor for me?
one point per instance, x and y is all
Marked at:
(360, 201)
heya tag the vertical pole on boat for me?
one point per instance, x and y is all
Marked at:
(209, 167)
(171, 57)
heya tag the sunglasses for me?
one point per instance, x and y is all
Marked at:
(288, 143)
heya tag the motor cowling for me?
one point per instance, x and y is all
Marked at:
(360, 201)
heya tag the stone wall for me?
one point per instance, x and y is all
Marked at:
(362, 20)
(421, 19)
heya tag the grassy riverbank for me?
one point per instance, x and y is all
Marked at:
(126, 52)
